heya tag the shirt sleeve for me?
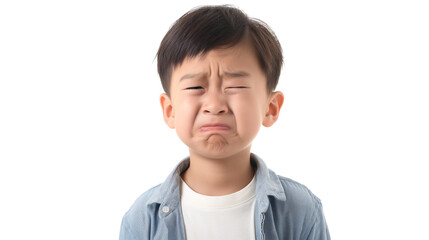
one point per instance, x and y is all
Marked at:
(319, 230)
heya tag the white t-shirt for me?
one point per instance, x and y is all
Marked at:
(229, 217)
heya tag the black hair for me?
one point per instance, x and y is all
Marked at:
(209, 27)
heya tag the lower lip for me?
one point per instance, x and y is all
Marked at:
(214, 128)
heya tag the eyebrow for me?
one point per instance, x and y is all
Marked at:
(190, 76)
(226, 74)
(236, 74)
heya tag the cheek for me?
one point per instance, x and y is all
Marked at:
(247, 112)
(185, 114)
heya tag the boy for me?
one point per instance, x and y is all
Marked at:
(219, 70)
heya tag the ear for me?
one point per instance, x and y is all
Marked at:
(275, 103)
(167, 110)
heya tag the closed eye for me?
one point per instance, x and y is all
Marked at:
(193, 88)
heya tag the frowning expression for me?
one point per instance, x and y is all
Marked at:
(218, 101)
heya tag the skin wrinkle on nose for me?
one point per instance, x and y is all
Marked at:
(214, 67)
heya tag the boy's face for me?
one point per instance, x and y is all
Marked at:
(219, 100)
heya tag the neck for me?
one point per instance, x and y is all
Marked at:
(218, 177)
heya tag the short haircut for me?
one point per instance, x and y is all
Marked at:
(209, 27)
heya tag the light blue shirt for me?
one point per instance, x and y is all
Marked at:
(284, 209)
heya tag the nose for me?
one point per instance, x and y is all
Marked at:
(214, 103)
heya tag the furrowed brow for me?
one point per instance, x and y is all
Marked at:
(226, 74)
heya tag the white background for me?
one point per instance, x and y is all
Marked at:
(82, 135)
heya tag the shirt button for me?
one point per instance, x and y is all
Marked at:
(165, 209)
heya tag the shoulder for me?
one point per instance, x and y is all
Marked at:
(298, 193)
(141, 204)
(143, 219)
(296, 200)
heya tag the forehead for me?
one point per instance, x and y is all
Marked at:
(241, 57)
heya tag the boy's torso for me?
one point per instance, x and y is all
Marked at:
(284, 209)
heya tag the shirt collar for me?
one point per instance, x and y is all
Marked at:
(168, 194)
